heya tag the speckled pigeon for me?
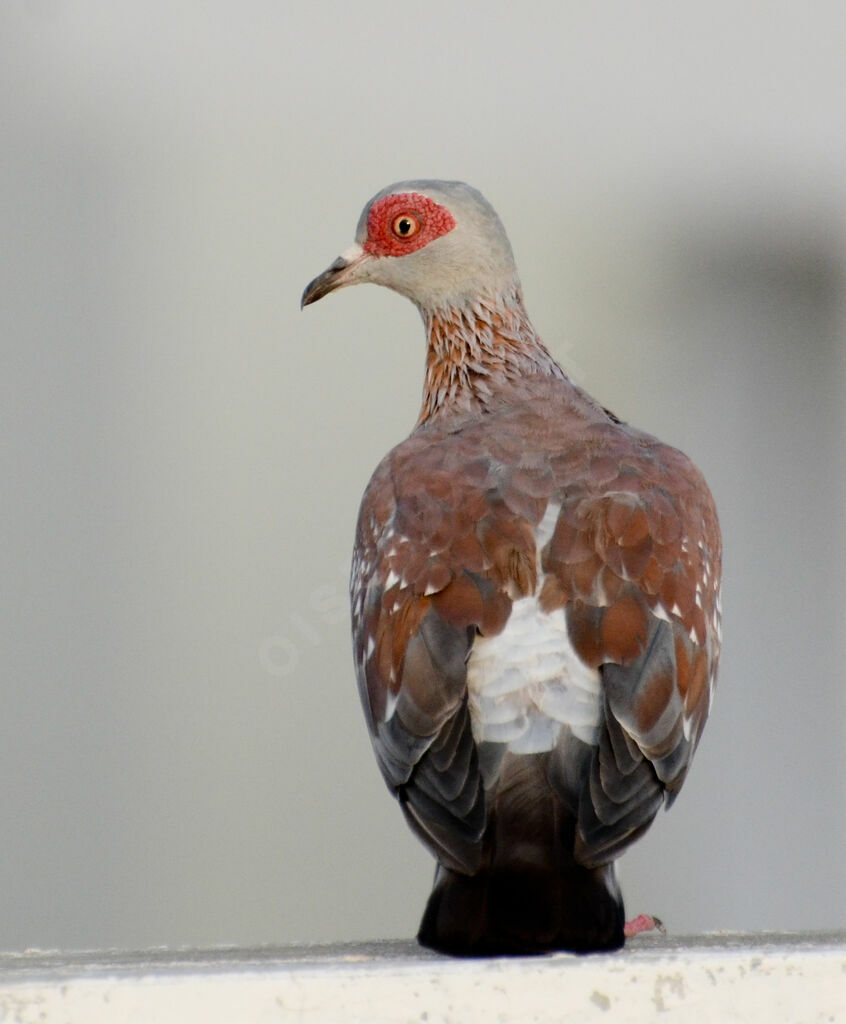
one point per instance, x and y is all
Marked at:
(535, 600)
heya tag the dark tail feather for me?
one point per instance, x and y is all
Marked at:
(530, 895)
(500, 912)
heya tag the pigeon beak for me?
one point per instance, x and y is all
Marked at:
(342, 272)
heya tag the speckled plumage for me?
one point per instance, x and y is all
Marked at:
(535, 603)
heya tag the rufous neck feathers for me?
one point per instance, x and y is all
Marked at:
(473, 350)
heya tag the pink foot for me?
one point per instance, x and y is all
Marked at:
(643, 923)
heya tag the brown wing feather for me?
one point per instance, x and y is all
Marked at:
(420, 593)
(635, 562)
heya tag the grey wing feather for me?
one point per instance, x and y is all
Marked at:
(639, 759)
(426, 749)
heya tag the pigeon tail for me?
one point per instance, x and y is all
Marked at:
(525, 906)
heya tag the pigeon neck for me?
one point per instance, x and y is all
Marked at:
(474, 350)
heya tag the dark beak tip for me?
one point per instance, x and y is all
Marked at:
(312, 292)
(331, 278)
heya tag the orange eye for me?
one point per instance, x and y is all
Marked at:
(405, 226)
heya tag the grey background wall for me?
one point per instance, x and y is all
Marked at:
(182, 451)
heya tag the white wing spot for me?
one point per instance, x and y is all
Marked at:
(546, 527)
(390, 703)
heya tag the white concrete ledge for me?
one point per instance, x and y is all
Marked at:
(722, 977)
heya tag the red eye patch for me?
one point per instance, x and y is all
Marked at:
(400, 224)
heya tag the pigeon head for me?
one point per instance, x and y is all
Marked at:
(439, 243)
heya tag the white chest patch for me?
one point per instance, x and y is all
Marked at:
(527, 683)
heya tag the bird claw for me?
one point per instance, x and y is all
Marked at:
(643, 923)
